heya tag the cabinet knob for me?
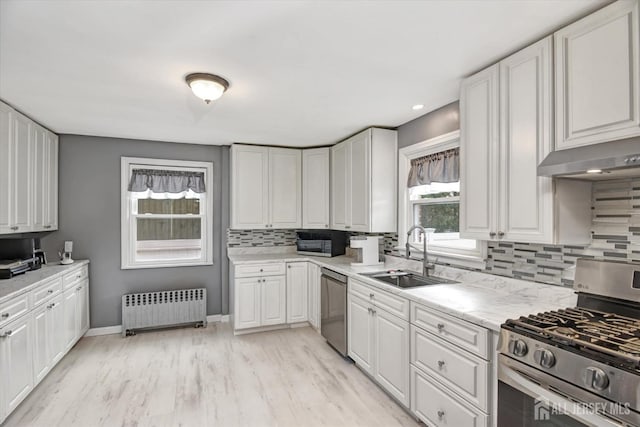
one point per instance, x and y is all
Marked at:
(371, 295)
(288, 266)
(440, 326)
(78, 288)
(261, 270)
(347, 226)
(15, 227)
(440, 414)
(50, 291)
(6, 334)
(500, 233)
(5, 315)
(47, 227)
(492, 234)
(440, 364)
(326, 226)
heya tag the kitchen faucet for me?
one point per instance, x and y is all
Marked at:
(426, 265)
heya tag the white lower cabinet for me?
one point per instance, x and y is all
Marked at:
(46, 323)
(314, 273)
(451, 383)
(434, 405)
(247, 303)
(274, 295)
(297, 292)
(16, 348)
(378, 342)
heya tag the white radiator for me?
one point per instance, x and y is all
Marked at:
(162, 309)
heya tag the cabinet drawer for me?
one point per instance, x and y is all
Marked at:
(464, 373)
(13, 308)
(255, 270)
(393, 304)
(74, 276)
(45, 291)
(434, 405)
(460, 332)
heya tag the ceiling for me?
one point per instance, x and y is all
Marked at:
(302, 73)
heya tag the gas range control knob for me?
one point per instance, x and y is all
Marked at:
(518, 348)
(544, 358)
(596, 378)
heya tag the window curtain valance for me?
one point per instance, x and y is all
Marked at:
(439, 167)
(161, 181)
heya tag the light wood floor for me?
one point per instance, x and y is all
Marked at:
(207, 377)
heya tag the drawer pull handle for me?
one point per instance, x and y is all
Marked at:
(47, 227)
(15, 227)
(440, 326)
(5, 315)
(6, 334)
(440, 414)
(440, 364)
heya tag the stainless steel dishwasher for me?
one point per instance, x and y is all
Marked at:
(333, 314)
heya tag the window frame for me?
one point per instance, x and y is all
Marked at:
(475, 258)
(127, 237)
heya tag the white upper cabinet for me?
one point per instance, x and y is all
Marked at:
(28, 175)
(315, 188)
(598, 77)
(363, 182)
(266, 187)
(506, 131)
(479, 154)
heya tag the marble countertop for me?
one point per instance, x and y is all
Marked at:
(23, 283)
(483, 299)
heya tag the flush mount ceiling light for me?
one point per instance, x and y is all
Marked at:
(207, 87)
(418, 107)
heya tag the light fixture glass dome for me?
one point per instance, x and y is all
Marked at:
(207, 87)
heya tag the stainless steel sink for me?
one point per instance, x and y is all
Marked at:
(405, 279)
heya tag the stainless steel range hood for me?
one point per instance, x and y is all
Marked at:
(615, 159)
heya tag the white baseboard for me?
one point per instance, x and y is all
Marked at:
(110, 330)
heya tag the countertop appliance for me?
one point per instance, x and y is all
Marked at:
(577, 366)
(18, 256)
(325, 243)
(333, 309)
(367, 250)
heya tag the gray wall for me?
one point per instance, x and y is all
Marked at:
(438, 122)
(89, 214)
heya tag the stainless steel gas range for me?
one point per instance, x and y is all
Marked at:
(578, 366)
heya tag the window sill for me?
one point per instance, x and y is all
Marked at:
(455, 260)
(166, 265)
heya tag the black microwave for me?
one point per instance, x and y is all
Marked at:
(325, 243)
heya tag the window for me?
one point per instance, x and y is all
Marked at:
(166, 213)
(436, 207)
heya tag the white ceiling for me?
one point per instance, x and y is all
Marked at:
(302, 73)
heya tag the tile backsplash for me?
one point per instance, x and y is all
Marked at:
(615, 235)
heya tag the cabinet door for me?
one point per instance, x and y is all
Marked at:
(70, 324)
(16, 369)
(598, 77)
(22, 152)
(40, 167)
(51, 211)
(360, 338)
(315, 188)
(274, 300)
(247, 303)
(249, 187)
(392, 354)
(340, 186)
(55, 330)
(297, 292)
(526, 200)
(82, 308)
(6, 169)
(41, 353)
(285, 188)
(360, 193)
(478, 154)
(314, 295)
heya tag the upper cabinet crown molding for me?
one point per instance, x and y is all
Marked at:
(598, 77)
(266, 187)
(363, 182)
(28, 174)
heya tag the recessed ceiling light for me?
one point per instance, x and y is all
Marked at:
(594, 171)
(418, 107)
(207, 87)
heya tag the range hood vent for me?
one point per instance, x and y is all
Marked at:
(615, 159)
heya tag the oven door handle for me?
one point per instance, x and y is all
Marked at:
(513, 378)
